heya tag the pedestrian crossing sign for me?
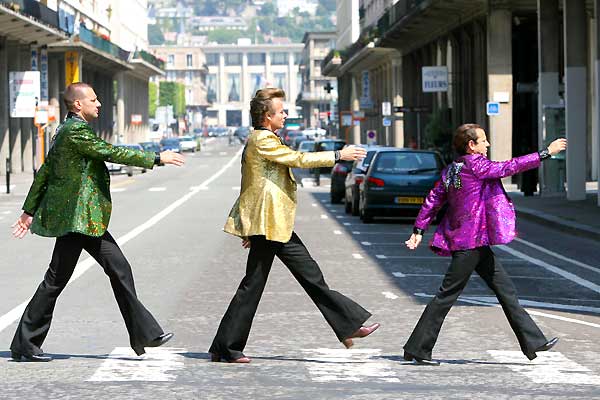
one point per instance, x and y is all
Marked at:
(492, 108)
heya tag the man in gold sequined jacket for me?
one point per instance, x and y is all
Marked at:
(70, 200)
(263, 216)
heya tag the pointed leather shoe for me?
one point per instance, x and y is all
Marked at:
(159, 341)
(420, 361)
(548, 345)
(361, 332)
(30, 358)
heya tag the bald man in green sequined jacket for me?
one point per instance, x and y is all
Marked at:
(70, 200)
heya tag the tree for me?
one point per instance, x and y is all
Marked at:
(152, 92)
(155, 35)
(173, 94)
(224, 36)
(268, 10)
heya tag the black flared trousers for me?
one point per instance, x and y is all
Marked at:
(464, 262)
(343, 314)
(35, 322)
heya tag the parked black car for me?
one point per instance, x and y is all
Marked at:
(338, 178)
(397, 182)
(327, 145)
(170, 144)
(354, 178)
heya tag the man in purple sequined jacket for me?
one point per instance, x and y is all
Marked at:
(479, 215)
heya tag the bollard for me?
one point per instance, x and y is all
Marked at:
(7, 175)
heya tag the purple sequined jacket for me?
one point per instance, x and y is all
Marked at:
(479, 211)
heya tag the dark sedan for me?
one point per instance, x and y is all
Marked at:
(327, 145)
(397, 182)
(338, 178)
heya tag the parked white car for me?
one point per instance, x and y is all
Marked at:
(187, 143)
(125, 169)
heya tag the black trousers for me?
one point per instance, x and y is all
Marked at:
(343, 315)
(486, 264)
(35, 322)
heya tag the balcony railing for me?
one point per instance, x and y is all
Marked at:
(395, 13)
(34, 9)
(149, 58)
(89, 37)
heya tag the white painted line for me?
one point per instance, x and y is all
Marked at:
(323, 216)
(389, 295)
(531, 312)
(340, 216)
(1, 218)
(380, 256)
(208, 153)
(3, 188)
(157, 189)
(323, 201)
(559, 256)
(117, 190)
(336, 232)
(365, 243)
(122, 365)
(398, 274)
(346, 224)
(357, 256)
(356, 365)
(355, 232)
(539, 304)
(83, 266)
(223, 153)
(550, 367)
(552, 268)
(332, 210)
(236, 187)
(314, 204)
(6, 212)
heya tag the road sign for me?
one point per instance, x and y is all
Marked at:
(435, 79)
(387, 121)
(492, 108)
(346, 120)
(371, 136)
(24, 93)
(386, 108)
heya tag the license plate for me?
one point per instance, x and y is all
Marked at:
(409, 200)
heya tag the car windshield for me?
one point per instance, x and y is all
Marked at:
(331, 146)
(406, 163)
(306, 146)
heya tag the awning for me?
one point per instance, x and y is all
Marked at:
(91, 55)
(22, 28)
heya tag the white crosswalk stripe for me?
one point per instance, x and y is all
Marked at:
(156, 365)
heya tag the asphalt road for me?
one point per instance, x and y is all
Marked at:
(169, 222)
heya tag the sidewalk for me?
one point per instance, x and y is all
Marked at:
(19, 185)
(581, 218)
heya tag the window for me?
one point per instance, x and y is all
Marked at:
(279, 58)
(256, 59)
(297, 58)
(170, 60)
(280, 79)
(189, 76)
(233, 87)
(211, 88)
(233, 59)
(189, 60)
(257, 81)
(212, 59)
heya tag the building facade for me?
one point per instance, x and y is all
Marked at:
(236, 72)
(535, 63)
(319, 92)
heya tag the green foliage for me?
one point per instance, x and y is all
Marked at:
(268, 9)
(225, 36)
(173, 94)
(152, 92)
(438, 133)
(155, 35)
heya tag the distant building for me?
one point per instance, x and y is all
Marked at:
(206, 24)
(285, 7)
(314, 99)
(236, 71)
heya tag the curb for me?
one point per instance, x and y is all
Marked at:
(564, 225)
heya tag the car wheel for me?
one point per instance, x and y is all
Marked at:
(366, 216)
(347, 206)
(144, 171)
(129, 173)
(354, 206)
(335, 199)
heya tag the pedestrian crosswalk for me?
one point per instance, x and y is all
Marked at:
(326, 365)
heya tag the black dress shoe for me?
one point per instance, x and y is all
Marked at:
(30, 357)
(420, 361)
(548, 345)
(159, 341)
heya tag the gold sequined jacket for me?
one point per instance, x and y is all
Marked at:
(71, 191)
(267, 202)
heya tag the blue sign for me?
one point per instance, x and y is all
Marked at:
(387, 121)
(492, 108)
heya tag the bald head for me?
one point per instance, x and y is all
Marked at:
(75, 91)
(81, 99)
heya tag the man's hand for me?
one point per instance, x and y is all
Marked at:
(246, 243)
(352, 153)
(21, 226)
(414, 241)
(170, 157)
(557, 146)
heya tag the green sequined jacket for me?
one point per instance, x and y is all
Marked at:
(71, 191)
